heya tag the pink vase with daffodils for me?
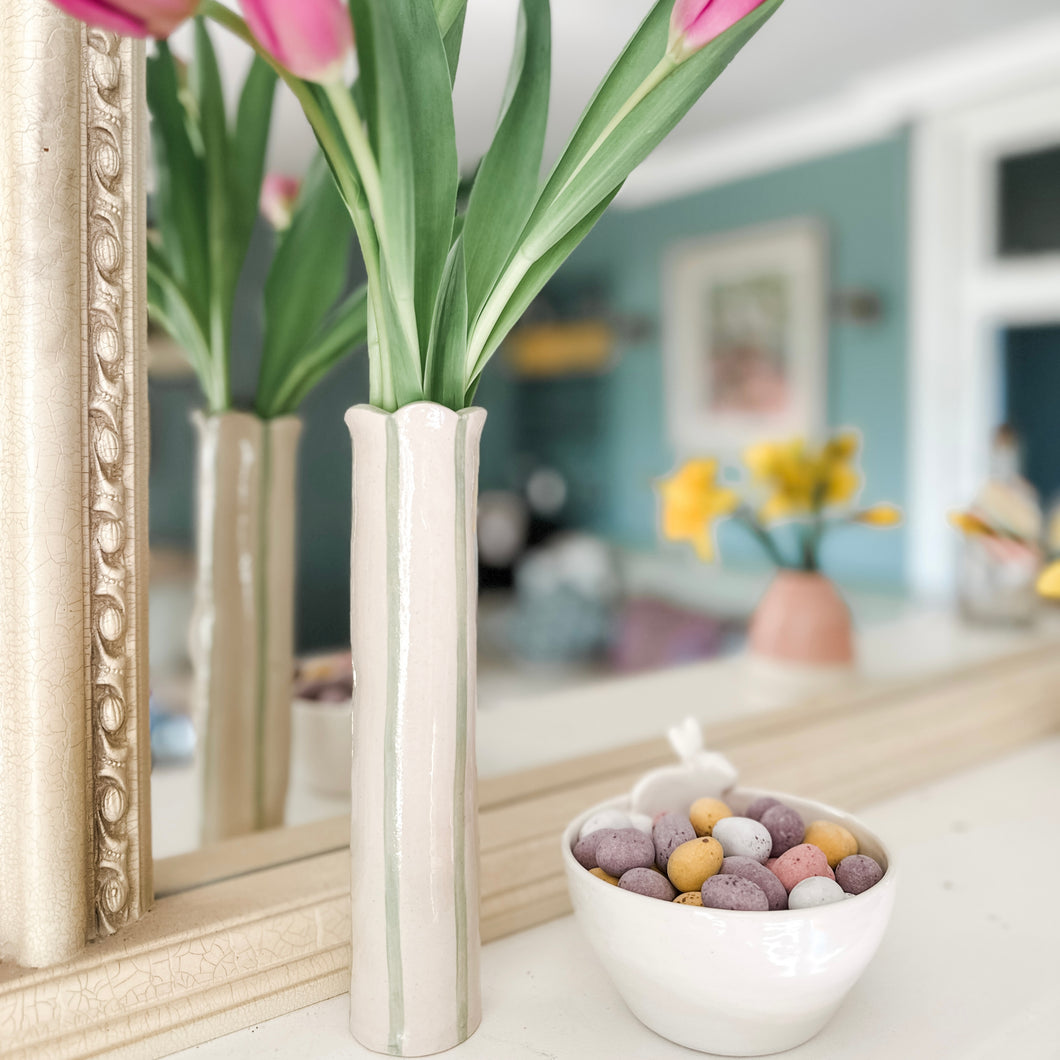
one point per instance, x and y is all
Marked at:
(802, 619)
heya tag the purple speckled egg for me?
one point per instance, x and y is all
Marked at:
(624, 849)
(648, 882)
(760, 876)
(734, 892)
(668, 833)
(785, 827)
(585, 849)
(858, 873)
(760, 805)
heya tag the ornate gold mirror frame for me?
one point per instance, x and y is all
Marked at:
(87, 964)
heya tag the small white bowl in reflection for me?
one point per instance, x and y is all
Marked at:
(725, 982)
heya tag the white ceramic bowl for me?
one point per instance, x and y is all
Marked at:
(733, 983)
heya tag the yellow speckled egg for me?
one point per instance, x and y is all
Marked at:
(605, 876)
(694, 862)
(706, 813)
(689, 898)
(836, 842)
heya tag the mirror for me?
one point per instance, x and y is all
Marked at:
(758, 279)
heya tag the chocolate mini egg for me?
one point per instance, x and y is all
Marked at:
(610, 819)
(648, 882)
(758, 808)
(689, 898)
(694, 862)
(625, 849)
(784, 826)
(836, 842)
(705, 814)
(800, 863)
(741, 837)
(857, 873)
(668, 833)
(760, 876)
(585, 849)
(605, 876)
(734, 892)
(814, 891)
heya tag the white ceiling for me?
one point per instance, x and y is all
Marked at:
(809, 51)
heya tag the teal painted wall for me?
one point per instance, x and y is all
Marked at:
(861, 196)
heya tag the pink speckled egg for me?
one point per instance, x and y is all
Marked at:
(800, 863)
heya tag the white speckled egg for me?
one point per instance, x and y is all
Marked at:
(605, 819)
(742, 837)
(813, 891)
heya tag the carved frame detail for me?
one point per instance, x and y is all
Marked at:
(74, 738)
(115, 231)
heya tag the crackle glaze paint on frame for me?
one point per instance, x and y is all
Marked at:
(414, 838)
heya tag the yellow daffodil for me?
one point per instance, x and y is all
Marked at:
(879, 515)
(1049, 582)
(802, 480)
(692, 500)
(839, 477)
(971, 525)
(786, 470)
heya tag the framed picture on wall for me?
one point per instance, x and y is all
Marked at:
(745, 335)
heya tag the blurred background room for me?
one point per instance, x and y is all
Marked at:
(868, 254)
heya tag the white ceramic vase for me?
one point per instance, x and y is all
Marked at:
(242, 631)
(414, 834)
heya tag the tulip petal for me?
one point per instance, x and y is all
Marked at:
(311, 38)
(105, 16)
(696, 23)
(133, 18)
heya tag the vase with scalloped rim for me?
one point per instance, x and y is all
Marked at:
(242, 631)
(414, 839)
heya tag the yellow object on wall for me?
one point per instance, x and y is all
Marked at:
(544, 350)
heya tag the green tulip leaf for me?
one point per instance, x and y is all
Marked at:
(508, 179)
(406, 86)
(530, 287)
(307, 276)
(339, 336)
(444, 377)
(589, 169)
(249, 142)
(178, 200)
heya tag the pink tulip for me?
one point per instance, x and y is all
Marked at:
(279, 193)
(311, 38)
(133, 18)
(696, 23)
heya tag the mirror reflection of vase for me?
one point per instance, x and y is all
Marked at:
(242, 632)
(800, 641)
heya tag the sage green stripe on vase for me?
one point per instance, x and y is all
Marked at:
(242, 630)
(413, 843)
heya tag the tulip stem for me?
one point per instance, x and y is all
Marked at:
(666, 65)
(352, 127)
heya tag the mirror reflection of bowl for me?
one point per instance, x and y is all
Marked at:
(320, 745)
(734, 983)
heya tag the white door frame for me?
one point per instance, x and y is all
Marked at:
(961, 295)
